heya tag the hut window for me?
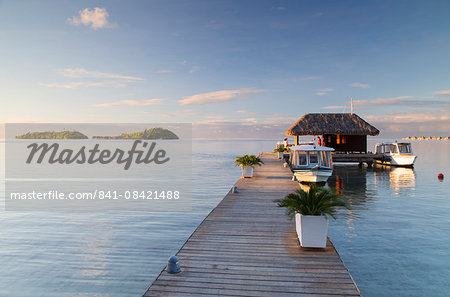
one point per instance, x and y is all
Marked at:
(338, 139)
(343, 139)
(313, 158)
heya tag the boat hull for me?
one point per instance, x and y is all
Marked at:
(399, 160)
(312, 175)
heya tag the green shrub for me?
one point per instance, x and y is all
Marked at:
(317, 202)
(247, 160)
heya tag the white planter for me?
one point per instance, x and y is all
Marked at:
(247, 171)
(280, 155)
(311, 230)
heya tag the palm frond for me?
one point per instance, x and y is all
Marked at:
(317, 201)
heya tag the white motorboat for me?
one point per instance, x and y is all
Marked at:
(395, 154)
(311, 163)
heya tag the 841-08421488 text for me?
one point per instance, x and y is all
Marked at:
(97, 195)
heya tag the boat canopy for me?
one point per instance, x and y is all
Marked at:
(393, 147)
(309, 156)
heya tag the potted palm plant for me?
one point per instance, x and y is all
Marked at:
(280, 150)
(247, 162)
(311, 209)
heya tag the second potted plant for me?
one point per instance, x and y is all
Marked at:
(280, 150)
(311, 209)
(247, 162)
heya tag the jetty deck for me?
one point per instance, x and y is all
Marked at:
(367, 158)
(248, 247)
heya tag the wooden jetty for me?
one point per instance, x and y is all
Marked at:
(367, 158)
(247, 246)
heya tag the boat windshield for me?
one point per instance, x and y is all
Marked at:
(394, 149)
(324, 159)
(301, 158)
(298, 159)
(404, 148)
(313, 158)
(380, 149)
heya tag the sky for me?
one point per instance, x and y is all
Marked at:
(234, 69)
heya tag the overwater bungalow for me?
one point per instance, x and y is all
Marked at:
(345, 132)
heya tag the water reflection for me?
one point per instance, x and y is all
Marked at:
(398, 179)
(351, 182)
(95, 252)
(358, 185)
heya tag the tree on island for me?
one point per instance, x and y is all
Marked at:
(153, 133)
(53, 135)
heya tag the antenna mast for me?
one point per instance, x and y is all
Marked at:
(351, 104)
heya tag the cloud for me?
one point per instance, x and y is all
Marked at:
(414, 117)
(113, 80)
(359, 85)
(158, 113)
(384, 101)
(74, 85)
(132, 103)
(306, 78)
(217, 96)
(414, 123)
(335, 107)
(281, 118)
(214, 116)
(165, 71)
(442, 93)
(402, 100)
(194, 69)
(98, 115)
(246, 128)
(96, 18)
(321, 92)
(391, 125)
(244, 112)
(325, 90)
(190, 112)
(83, 73)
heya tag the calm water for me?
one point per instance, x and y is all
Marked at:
(394, 240)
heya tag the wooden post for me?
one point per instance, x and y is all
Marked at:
(297, 142)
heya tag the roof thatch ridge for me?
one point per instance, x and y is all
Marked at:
(331, 123)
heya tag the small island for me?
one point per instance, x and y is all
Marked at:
(53, 135)
(153, 133)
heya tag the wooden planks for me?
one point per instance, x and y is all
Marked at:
(247, 247)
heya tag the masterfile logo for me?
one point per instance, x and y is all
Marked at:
(52, 154)
(98, 166)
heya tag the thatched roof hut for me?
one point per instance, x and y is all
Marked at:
(331, 123)
(345, 132)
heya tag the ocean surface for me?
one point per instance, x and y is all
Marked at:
(395, 239)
